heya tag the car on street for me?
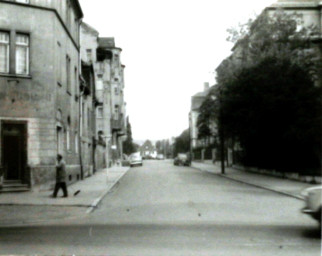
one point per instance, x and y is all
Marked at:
(313, 203)
(182, 159)
(160, 157)
(136, 159)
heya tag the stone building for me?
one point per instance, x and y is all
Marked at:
(196, 101)
(109, 82)
(39, 90)
(110, 55)
(87, 103)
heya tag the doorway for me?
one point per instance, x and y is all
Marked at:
(14, 150)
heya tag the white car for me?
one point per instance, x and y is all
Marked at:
(313, 202)
(135, 159)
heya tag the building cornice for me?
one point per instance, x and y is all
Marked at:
(46, 9)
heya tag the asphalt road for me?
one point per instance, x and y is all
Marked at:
(161, 209)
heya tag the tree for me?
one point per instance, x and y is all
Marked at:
(128, 146)
(268, 97)
(273, 109)
(280, 35)
(207, 117)
(182, 142)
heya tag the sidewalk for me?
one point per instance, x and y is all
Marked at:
(279, 185)
(92, 190)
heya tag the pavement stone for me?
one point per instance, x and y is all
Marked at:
(92, 189)
(36, 207)
(279, 185)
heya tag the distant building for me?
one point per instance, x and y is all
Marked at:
(199, 146)
(39, 89)
(148, 150)
(110, 55)
(196, 101)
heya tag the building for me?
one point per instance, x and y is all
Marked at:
(89, 45)
(110, 56)
(39, 89)
(148, 150)
(109, 82)
(87, 103)
(196, 101)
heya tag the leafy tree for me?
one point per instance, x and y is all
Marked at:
(128, 146)
(268, 93)
(182, 142)
(276, 116)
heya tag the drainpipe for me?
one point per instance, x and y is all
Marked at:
(79, 134)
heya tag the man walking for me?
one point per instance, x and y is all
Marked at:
(60, 176)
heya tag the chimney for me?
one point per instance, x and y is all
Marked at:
(206, 86)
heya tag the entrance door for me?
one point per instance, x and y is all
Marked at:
(13, 150)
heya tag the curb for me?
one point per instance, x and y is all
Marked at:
(96, 202)
(254, 185)
(263, 187)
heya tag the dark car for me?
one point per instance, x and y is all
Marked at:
(182, 159)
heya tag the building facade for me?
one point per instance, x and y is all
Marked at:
(109, 83)
(39, 87)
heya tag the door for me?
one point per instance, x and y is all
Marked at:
(14, 150)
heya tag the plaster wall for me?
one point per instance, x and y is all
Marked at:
(35, 98)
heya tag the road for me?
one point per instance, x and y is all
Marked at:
(161, 209)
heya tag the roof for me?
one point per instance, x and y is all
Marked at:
(89, 28)
(106, 42)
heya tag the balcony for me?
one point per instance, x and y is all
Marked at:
(117, 125)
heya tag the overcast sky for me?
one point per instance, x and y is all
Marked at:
(170, 48)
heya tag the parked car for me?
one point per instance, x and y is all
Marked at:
(160, 157)
(313, 203)
(182, 159)
(136, 159)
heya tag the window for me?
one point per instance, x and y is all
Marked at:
(4, 52)
(99, 83)
(58, 60)
(76, 142)
(101, 66)
(116, 112)
(68, 138)
(22, 54)
(68, 13)
(100, 112)
(22, 1)
(76, 80)
(116, 91)
(68, 133)
(89, 54)
(68, 73)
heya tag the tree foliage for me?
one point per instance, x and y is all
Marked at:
(276, 116)
(128, 146)
(182, 142)
(268, 97)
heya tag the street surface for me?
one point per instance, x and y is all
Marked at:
(161, 209)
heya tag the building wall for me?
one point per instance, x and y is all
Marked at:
(89, 41)
(37, 97)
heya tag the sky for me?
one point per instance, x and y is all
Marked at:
(170, 48)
